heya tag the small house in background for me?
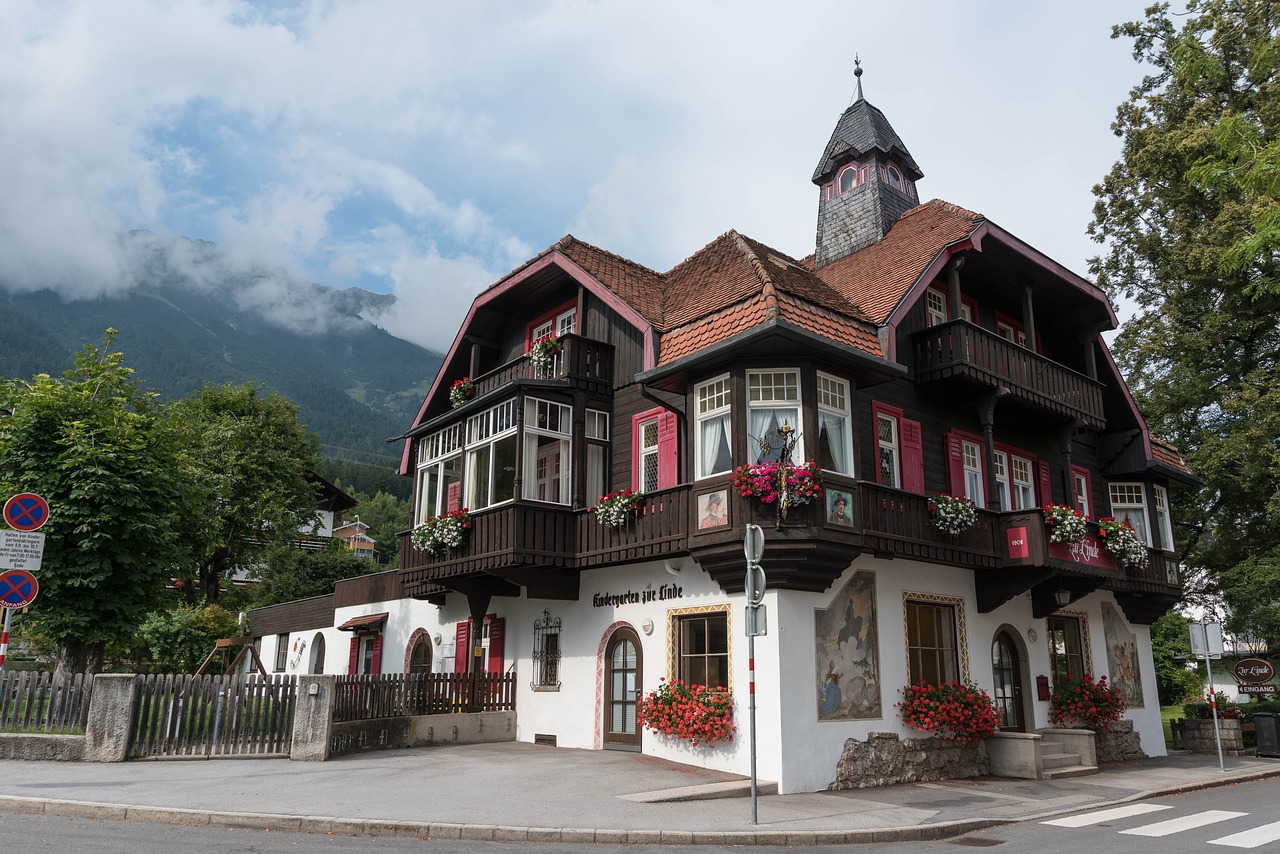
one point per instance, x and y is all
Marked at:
(353, 534)
(896, 410)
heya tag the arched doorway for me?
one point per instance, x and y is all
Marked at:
(420, 655)
(1006, 672)
(622, 671)
(317, 654)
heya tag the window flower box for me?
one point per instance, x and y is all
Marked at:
(542, 354)
(1119, 538)
(1065, 524)
(768, 482)
(617, 508)
(461, 391)
(441, 534)
(696, 713)
(961, 712)
(952, 514)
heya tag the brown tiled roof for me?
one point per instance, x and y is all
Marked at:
(711, 329)
(718, 275)
(637, 285)
(1168, 454)
(877, 277)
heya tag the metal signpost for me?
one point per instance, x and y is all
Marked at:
(753, 547)
(1206, 642)
(21, 551)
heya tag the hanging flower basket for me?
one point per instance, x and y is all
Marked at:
(441, 534)
(961, 712)
(542, 354)
(952, 514)
(1065, 524)
(696, 713)
(1119, 538)
(765, 481)
(616, 508)
(461, 391)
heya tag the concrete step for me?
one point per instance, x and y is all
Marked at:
(1059, 760)
(1069, 771)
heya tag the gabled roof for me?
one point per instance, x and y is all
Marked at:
(861, 129)
(635, 284)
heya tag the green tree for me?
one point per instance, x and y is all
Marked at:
(181, 638)
(97, 448)
(1187, 214)
(291, 573)
(249, 462)
(1170, 649)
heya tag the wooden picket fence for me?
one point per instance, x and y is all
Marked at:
(234, 715)
(361, 698)
(34, 702)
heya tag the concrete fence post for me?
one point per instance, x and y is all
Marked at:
(313, 718)
(106, 735)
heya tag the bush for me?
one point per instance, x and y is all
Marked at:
(695, 712)
(1227, 710)
(961, 712)
(1087, 704)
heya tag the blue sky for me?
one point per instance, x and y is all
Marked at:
(426, 148)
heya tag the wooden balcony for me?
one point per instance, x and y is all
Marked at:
(897, 523)
(960, 350)
(661, 529)
(1147, 592)
(582, 362)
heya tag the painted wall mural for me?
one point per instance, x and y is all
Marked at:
(1122, 656)
(847, 654)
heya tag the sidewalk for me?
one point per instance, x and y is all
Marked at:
(523, 792)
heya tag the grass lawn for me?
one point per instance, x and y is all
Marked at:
(1168, 713)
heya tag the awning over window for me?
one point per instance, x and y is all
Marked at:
(368, 623)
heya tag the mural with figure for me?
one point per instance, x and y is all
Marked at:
(1122, 655)
(846, 653)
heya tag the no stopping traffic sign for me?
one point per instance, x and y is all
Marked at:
(18, 588)
(26, 511)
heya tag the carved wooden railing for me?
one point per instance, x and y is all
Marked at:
(960, 348)
(579, 359)
(898, 522)
(662, 527)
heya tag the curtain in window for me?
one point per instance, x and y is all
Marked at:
(715, 446)
(764, 425)
(833, 450)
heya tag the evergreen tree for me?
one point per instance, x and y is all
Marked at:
(1188, 215)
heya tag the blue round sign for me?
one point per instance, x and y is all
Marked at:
(18, 588)
(26, 511)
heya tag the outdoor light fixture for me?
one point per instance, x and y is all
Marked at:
(1063, 596)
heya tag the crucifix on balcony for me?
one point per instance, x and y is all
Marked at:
(777, 444)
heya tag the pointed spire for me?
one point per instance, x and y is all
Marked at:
(857, 74)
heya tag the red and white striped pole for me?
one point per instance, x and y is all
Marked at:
(4, 636)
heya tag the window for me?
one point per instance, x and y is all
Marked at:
(1023, 483)
(491, 456)
(547, 450)
(1000, 464)
(420, 655)
(1164, 522)
(647, 454)
(560, 322)
(936, 307)
(848, 179)
(714, 451)
(773, 400)
(546, 652)
(282, 651)
(597, 433)
(440, 473)
(973, 473)
(835, 440)
(1011, 330)
(887, 445)
(1066, 651)
(1129, 503)
(1081, 488)
(931, 643)
(702, 649)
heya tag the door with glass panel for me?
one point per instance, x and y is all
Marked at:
(622, 667)
(1007, 678)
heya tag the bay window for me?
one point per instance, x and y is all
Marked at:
(547, 451)
(714, 454)
(1128, 504)
(491, 456)
(773, 399)
(439, 473)
(835, 442)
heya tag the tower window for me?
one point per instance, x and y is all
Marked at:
(848, 179)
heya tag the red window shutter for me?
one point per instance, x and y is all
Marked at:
(353, 665)
(668, 434)
(1046, 483)
(376, 665)
(497, 631)
(462, 646)
(912, 456)
(453, 498)
(955, 464)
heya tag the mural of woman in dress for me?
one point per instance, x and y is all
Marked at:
(846, 653)
(1122, 656)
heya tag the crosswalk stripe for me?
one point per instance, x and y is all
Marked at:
(1251, 838)
(1106, 815)
(1187, 822)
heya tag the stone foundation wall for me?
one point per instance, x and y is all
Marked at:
(1119, 744)
(1197, 736)
(885, 759)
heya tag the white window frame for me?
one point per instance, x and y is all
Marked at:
(1082, 496)
(935, 308)
(487, 429)
(1000, 473)
(563, 323)
(1022, 492)
(892, 446)
(437, 452)
(774, 393)
(1164, 518)
(834, 412)
(1123, 506)
(713, 405)
(597, 437)
(543, 420)
(974, 482)
(647, 454)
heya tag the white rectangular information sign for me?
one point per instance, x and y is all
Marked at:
(21, 550)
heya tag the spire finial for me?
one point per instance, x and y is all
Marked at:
(857, 73)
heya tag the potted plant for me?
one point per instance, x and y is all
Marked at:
(696, 713)
(1119, 538)
(542, 354)
(1065, 524)
(959, 711)
(440, 534)
(616, 508)
(766, 481)
(952, 514)
(461, 391)
(1085, 704)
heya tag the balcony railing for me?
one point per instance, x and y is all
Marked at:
(898, 522)
(581, 359)
(959, 348)
(662, 527)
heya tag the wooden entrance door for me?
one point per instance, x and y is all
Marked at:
(1006, 671)
(622, 669)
